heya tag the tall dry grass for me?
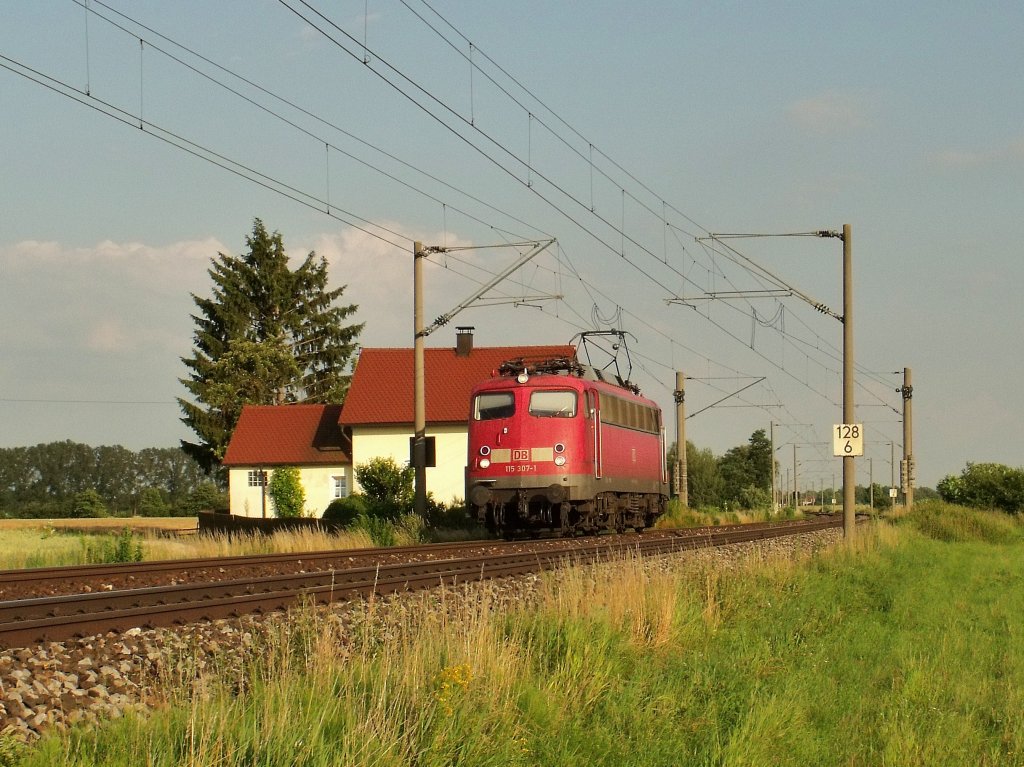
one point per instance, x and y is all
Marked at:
(52, 547)
(284, 542)
(759, 660)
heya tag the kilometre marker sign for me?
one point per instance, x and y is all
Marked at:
(848, 439)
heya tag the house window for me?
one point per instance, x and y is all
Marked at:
(257, 478)
(340, 485)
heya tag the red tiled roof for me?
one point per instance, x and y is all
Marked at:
(288, 435)
(382, 386)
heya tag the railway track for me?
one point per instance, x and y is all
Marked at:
(54, 581)
(254, 585)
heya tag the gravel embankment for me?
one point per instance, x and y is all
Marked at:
(61, 683)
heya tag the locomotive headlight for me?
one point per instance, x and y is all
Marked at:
(559, 447)
(484, 450)
(559, 460)
(484, 463)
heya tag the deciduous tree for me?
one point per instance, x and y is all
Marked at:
(986, 486)
(747, 466)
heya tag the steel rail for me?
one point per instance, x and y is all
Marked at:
(77, 572)
(84, 578)
(33, 621)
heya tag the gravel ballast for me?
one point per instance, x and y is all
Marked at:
(63, 683)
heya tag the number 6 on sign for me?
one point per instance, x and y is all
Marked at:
(848, 439)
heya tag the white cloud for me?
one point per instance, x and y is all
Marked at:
(111, 322)
(831, 112)
(109, 335)
(32, 253)
(109, 298)
(380, 280)
(1012, 152)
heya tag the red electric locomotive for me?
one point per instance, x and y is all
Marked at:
(554, 446)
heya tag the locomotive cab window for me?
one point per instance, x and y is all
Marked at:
(553, 404)
(498, 404)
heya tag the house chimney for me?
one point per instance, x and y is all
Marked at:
(464, 340)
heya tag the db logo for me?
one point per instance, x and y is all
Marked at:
(520, 455)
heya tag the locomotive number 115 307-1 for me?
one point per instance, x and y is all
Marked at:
(520, 468)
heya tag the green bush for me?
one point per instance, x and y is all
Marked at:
(985, 486)
(111, 549)
(49, 509)
(678, 515)
(286, 493)
(206, 497)
(380, 530)
(152, 503)
(951, 523)
(453, 517)
(346, 510)
(755, 498)
(388, 487)
(88, 503)
(12, 749)
(413, 526)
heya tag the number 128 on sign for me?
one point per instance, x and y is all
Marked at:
(848, 439)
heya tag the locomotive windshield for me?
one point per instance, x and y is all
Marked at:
(498, 404)
(553, 404)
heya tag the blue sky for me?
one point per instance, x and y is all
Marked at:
(669, 120)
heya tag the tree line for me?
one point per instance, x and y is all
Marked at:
(67, 479)
(741, 479)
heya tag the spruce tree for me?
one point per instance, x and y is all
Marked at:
(267, 335)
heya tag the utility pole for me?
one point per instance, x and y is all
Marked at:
(892, 474)
(846, 318)
(771, 429)
(419, 442)
(796, 504)
(849, 468)
(871, 482)
(907, 390)
(421, 331)
(681, 480)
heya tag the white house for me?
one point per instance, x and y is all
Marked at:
(309, 437)
(376, 421)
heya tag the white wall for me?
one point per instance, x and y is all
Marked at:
(317, 481)
(446, 481)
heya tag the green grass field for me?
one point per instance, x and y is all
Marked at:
(905, 649)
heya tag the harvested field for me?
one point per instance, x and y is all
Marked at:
(103, 524)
